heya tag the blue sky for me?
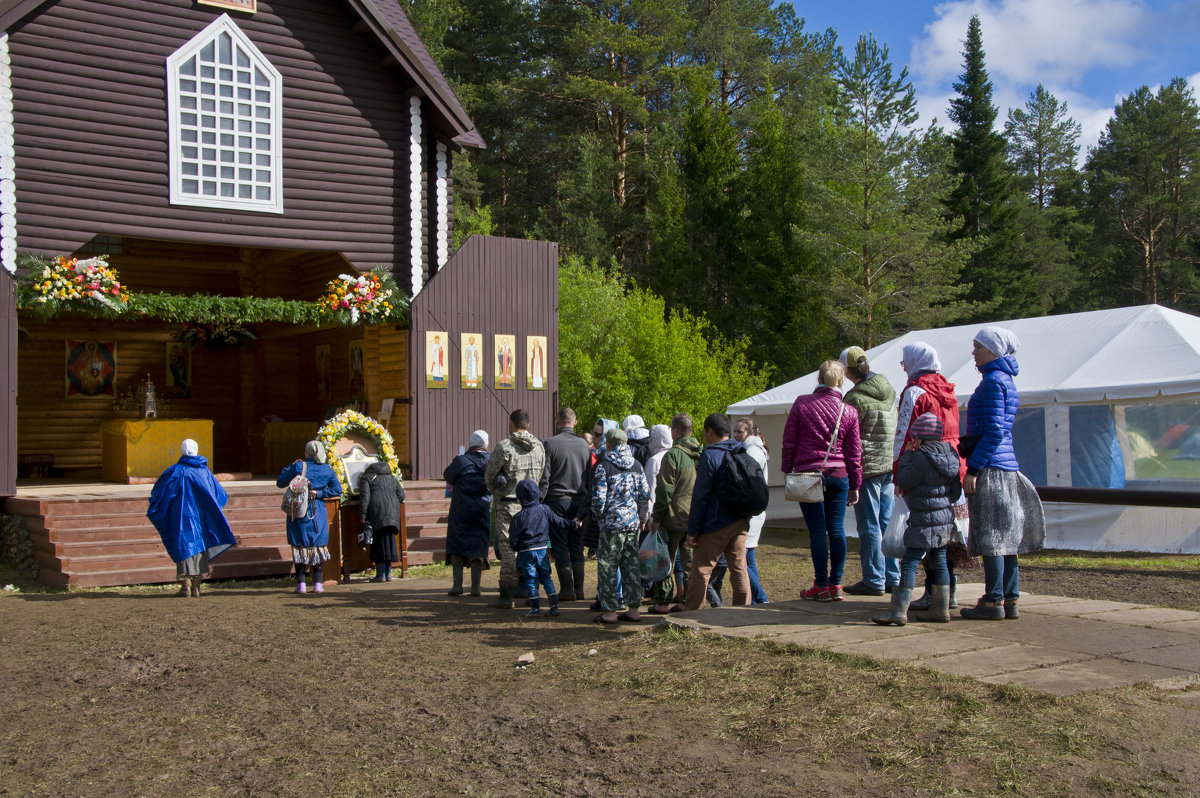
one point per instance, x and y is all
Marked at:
(1088, 53)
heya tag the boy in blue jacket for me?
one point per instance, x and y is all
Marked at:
(529, 535)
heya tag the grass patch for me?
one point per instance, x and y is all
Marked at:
(925, 730)
(1105, 561)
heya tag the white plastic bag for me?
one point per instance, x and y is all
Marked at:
(893, 536)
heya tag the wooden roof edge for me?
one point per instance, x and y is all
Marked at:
(391, 25)
(397, 33)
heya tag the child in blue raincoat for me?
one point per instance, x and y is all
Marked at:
(185, 508)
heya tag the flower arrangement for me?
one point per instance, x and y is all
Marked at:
(368, 298)
(336, 428)
(72, 284)
(215, 336)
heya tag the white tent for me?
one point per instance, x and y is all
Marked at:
(1109, 398)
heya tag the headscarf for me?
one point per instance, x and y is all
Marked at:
(479, 439)
(635, 427)
(1000, 341)
(313, 450)
(920, 356)
(189, 448)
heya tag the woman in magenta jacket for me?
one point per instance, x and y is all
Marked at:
(810, 427)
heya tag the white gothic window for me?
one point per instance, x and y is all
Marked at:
(224, 118)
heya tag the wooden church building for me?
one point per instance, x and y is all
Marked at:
(246, 148)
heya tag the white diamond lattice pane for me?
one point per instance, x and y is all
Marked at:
(225, 110)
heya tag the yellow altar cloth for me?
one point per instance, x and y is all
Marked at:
(145, 447)
(275, 444)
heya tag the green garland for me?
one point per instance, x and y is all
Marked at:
(200, 308)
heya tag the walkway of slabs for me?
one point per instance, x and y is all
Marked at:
(1059, 645)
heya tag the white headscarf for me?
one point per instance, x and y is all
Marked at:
(920, 356)
(189, 448)
(1000, 341)
(479, 439)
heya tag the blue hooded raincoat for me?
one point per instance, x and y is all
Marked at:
(185, 508)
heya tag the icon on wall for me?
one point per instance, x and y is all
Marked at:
(472, 360)
(535, 356)
(91, 367)
(437, 375)
(506, 370)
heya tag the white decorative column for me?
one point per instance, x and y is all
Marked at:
(443, 205)
(415, 172)
(8, 163)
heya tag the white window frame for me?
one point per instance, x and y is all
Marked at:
(235, 142)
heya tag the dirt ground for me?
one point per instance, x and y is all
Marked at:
(396, 689)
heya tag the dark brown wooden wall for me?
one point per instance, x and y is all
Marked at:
(89, 84)
(8, 384)
(490, 286)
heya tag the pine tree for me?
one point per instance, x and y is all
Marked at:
(983, 198)
(882, 233)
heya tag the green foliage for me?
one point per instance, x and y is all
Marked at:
(621, 351)
(1144, 198)
(882, 230)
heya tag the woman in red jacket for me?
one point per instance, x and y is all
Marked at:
(814, 439)
(927, 391)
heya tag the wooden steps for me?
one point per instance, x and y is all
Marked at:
(98, 535)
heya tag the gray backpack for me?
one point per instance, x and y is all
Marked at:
(295, 495)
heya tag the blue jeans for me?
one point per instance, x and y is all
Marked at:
(912, 558)
(873, 511)
(757, 594)
(826, 535)
(1002, 578)
(533, 567)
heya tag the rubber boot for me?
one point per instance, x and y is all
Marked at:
(953, 592)
(183, 587)
(578, 569)
(566, 582)
(984, 611)
(939, 609)
(926, 599)
(196, 586)
(1010, 610)
(456, 588)
(554, 605)
(476, 573)
(897, 613)
(504, 601)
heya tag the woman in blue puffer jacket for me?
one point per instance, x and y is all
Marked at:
(993, 483)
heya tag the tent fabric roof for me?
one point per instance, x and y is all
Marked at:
(1123, 354)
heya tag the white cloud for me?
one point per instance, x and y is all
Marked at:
(1034, 41)
(1030, 42)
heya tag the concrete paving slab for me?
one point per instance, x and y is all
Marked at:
(1183, 627)
(831, 636)
(917, 647)
(1190, 697)
(1145, 616)
(1081, 677)
(1084, 635)
(1079, 607)
(1185, 657)
(1035, 599)
(1002, 659)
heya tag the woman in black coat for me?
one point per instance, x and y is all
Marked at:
(469, 533)
(379, 496)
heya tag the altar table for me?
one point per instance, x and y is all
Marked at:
(145, 447)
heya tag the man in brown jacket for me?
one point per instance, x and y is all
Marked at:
(672, 501)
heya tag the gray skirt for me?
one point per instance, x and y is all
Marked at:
(196, 565)
(1006, 514)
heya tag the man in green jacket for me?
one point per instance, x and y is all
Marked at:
(672, 501)
(875, 400)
